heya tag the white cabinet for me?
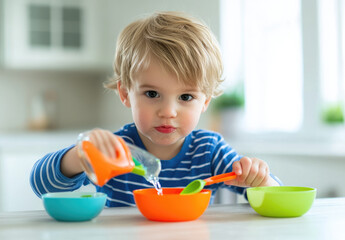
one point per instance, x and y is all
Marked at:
(18, 153)
(56, 34)
(15, 186)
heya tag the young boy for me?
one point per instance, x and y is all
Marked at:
(167, 68)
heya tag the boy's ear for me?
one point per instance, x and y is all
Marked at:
(123, 94)
(207, 102)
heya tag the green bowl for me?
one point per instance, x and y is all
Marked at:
(282, 201)
(74, 206)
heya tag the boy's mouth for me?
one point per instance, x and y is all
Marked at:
(165, 129)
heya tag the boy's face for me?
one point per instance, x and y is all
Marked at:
(164, 110)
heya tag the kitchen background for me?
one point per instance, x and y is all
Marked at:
(55, 56)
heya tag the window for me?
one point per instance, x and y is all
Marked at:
(332, 52)
(40, 21)
(290, 56)
(55, 26)
(71, 31)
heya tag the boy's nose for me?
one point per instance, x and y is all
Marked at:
(167, 110)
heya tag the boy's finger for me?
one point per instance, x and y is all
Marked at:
(236, 168)
(245, 166)
(111, 144)
(233, 182)
(119, 150)
(104, 143)
(260, 177)
(253, 173)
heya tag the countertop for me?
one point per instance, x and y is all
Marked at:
(325, 220)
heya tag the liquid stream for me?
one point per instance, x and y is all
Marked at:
(157, 185)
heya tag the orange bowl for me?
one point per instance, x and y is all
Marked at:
(171, 206)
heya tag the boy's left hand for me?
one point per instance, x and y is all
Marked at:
(251, 172)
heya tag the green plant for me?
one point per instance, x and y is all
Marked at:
(333, 113)
(231, 98)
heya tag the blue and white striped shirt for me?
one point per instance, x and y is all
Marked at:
(203, 154)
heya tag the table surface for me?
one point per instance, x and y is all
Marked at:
(325, 220)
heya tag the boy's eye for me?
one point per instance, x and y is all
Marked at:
(186, 97)
(151, 94)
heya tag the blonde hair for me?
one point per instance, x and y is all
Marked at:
(183, 45)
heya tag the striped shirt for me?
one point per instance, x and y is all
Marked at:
(203, 154)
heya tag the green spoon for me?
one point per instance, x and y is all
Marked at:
(197, 185)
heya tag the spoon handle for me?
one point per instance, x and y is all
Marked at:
(220, 178)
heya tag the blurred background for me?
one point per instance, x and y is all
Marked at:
(283, 95)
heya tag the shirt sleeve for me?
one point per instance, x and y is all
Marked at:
(46, 175)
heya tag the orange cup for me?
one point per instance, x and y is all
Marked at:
(171, 206)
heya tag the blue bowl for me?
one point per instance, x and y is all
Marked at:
(74, 206)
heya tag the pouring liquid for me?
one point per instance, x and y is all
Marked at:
(155, 182)
(150, 165)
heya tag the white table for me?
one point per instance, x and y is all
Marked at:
(325, 220)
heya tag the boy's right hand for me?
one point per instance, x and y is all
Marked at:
(104, 140)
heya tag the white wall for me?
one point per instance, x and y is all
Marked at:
(77, 97)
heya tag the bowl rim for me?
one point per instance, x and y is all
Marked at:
(285, 189)
(143, 190)
(73, 195)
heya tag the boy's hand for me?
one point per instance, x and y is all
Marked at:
(251, 172)
(105, 141)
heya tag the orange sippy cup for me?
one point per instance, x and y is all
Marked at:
(101, 168)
